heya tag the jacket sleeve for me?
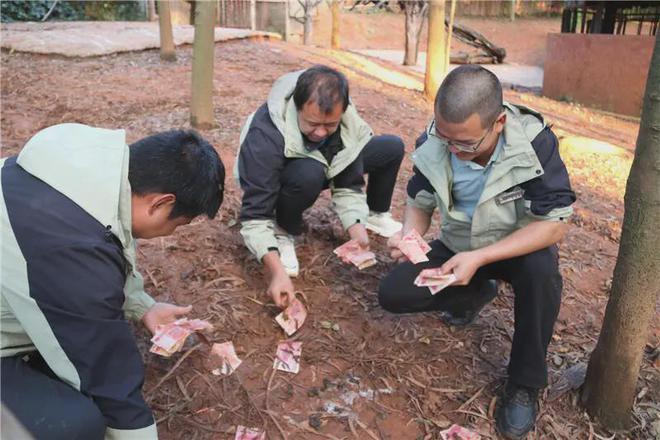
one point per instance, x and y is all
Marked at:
(348, 197)
(259, 167)
(549, 197)
(137, 301)
(419, 190)
(78, 291)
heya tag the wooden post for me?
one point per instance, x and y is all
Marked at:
(201, 107)
(435, 56)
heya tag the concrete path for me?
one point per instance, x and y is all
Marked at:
(517, 75)
(94, 38)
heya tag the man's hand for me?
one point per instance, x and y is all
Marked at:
(463, 265)
(281, 289)
(358, 233)
(163, 313)
(393, 245)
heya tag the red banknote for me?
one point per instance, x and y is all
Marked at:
(414, 247)
(457, 432)
(434, 279)
(292, 318)
(225, 356)
(287, 357)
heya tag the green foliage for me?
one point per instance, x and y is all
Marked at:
(22, 10)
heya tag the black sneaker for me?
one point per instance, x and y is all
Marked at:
(516, 411)
(466, 317)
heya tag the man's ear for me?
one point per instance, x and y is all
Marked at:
(161, 201)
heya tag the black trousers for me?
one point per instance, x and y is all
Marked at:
(47, 407)
(302, 181)
(537, 287)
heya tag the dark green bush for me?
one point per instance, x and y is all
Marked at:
(22, 10)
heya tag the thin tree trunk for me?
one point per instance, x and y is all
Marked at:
(167, 52)
(609, 390)
(151, 10)
(287, 30)
(307, 26)
(336, 17)
(414, 22)
(253, 15)
(435, 52)
(450, 29)
(201, 107)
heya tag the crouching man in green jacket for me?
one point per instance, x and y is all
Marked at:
(494, 172)
(72, 204)
(305, 138)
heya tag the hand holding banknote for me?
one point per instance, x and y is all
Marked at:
(393, 245)
(463, 265)
(163, 313)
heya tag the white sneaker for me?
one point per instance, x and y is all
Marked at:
(287, 247)
(382, 224)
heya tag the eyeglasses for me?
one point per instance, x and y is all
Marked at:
(465, 147)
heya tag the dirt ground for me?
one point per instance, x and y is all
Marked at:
(375, 375)
(524, 39)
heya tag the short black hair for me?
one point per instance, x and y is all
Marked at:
(182, 163)
(466, 90)
(322, 85)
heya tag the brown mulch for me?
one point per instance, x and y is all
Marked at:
(373, 374)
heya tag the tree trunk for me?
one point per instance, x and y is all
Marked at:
(201, 107)
(414, 11)
(436, 47)
(450, 30)
(287, 30)
(609, 390)
(151, 10)
(253, 15)
(167, 52)
(307, 26)
(336, 17)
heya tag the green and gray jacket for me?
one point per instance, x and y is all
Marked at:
(68, 272)
(528, 182)
(269, 138)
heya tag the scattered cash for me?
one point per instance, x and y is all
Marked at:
(228, 360)
(351, 252)
(434, 279)
(457, 432)
(414, 247)
(287, 357)
(169, 338)
(243, 433)
(292, 318)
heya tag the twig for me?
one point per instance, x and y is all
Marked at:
(50, 10)
(367, 430)
(169, 373)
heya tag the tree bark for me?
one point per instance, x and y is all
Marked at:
(253, 15)
(435, 53)
(609, 390)
(414, 11)
(307, 26)
(167, 52)
(151, 10)
(201, 107)
(450, 30)
(336, 17)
